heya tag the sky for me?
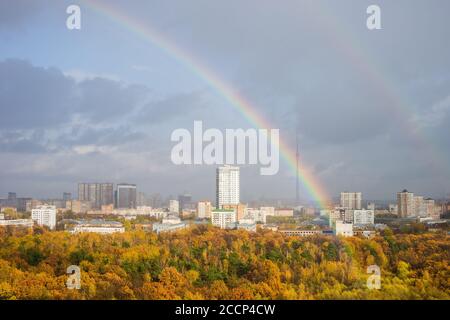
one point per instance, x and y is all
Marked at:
(371, 107)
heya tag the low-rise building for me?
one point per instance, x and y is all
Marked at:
(343, 229)
(170, 223)
(300, 233)
(98, 226)
(284, 212)
(17, 222)
(248, 227)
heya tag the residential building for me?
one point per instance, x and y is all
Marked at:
(97, 193)
(204, 209)
(364, 217)
(44, 216)
(405, 204)
(338, 214)
(32, 204)
(126, 196)
(227, 186)
(174, 206)
(430, 208)
(239, 208)
(393, 208)
(222, 218)
(419, 206)
(351, 200)
(258, 215)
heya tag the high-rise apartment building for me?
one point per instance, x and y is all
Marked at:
(227, 186)
(44, 216)
(405, 204)
(419, 206)
(98, 193)
(126, 196)
(351, 200)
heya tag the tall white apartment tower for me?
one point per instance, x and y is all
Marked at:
(44, 216)
(351, 200)
(227, 186)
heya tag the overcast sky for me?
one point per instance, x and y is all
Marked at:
(99, 104)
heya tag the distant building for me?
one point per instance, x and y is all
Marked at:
(32, 204)
(343, 229)
(393, 209)
(405, 204)
(363, 217)
(17, 222)
(126, 196)
(338, 214)
(419, 206)
(44, 216)
(351, 200)
(170, 223)
(430, 208)
(141, 199)
(174, 206)
(371, 206)
(222, 218)
(284, 212)
(204, 209)
(308, 211)
(300, 233)
(98, 226)
(258, 215)
(67, 196)
(267, 211)
(227, 186)
(246, 225)
(97, 193)
(184, 201)
(78, 206)
(238, 208)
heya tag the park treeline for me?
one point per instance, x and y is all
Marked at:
(203, 262)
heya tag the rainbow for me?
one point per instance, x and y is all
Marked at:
(346, 42)
(238, 101)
